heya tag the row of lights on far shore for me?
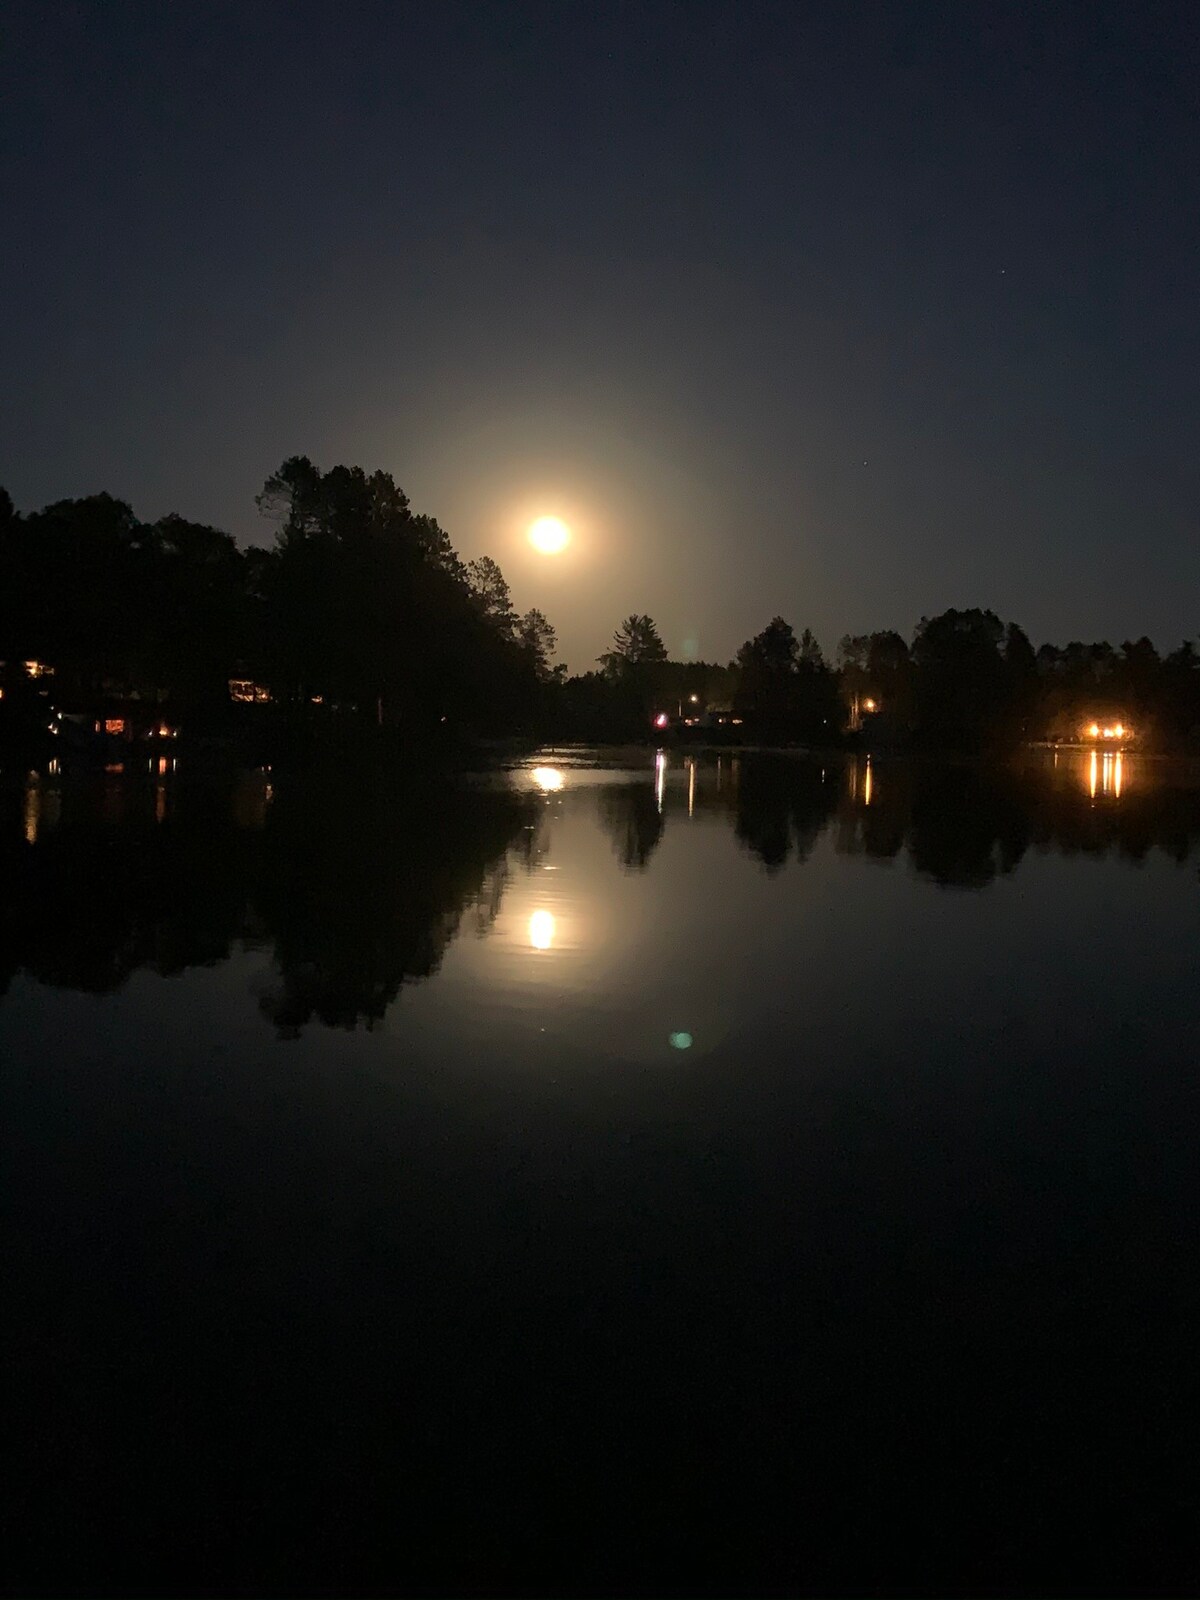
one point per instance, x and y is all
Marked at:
(662, 719)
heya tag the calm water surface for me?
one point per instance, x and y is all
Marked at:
(635, 1174)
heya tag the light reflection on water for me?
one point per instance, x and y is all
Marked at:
(514, 1111)
(32, 807)
(583, 883)
(639, 917)
(1106, 773)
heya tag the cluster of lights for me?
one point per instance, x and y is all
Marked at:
(662, 719)
(248, 692)
(1116, 730)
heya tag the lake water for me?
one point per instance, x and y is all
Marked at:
(632, 1174)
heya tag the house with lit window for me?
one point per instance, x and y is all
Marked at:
(248, 692)
(110, 727)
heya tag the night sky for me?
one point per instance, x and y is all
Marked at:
(849, 312)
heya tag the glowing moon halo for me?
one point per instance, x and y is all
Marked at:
(549, 535)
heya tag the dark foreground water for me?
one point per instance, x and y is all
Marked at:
(738, 1176)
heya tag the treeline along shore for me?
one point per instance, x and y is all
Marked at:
(361, 624)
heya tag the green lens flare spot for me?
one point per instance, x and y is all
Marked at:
(679, 1041)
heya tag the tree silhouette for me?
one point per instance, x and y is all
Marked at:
(636, 643)
(960, 677)
(633, 671)
(490, 591)
(362, 606)
(786, 690)
(539, 640)
(373, 609)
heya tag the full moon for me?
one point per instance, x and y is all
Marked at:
(549, 535)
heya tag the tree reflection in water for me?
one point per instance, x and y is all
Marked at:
(363, 887)
(630, 812)
(965, 825)
(356, 886)
(959, 825)
(781, 809)
(107, 889)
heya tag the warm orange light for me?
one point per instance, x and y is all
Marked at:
(548, 779)
(868, 705)
(549, 535)
(251, 693)
(1107, 730)
(541, 930)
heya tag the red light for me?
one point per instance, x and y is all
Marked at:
(661, 720)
